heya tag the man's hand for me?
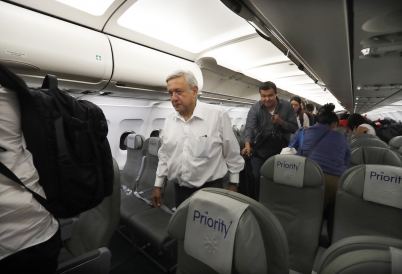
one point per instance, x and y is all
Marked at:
(276, 119)
(156, 197)
(232, 187)
(246, 150)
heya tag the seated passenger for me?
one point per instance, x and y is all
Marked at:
(301, 116)
(360, 124)
(29, 235)
(328, 148)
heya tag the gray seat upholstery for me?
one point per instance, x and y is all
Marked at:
(374, 156)
(132, 167)
(130, 176)
(151, 225)
(363, 136)
(395, 143)
(367, 142)
(341, 130)
(299, 210)
(359, 254)
(268, 239)
(147, 179)
(86, 251)
(356, 216)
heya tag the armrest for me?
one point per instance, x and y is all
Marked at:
(67, 227)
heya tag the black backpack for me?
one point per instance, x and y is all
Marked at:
(387, 129)
(67, 139)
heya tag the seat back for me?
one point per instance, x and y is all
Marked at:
(95, 227)
(259, 239)
(395, 143)
(367, 142)
(132, 167)
(147, 179)
(361, 254)
(298, 209)
(365, 203)
(374, 156)
(363, 136)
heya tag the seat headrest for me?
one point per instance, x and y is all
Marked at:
(311, 177)
(375, 183)
(214, 217)
(367, 142)
(396, 142)
(134, 141)
(153, 145)
(374, 155)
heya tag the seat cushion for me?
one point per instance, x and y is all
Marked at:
(152, 226)
(131, 205)
(64, 255)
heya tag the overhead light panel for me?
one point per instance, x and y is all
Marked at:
(94, 7)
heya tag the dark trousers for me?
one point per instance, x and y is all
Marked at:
(257, 164)
(182, 192)
(41, 258)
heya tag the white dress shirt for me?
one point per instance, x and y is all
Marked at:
(23, 221)
(201, 149)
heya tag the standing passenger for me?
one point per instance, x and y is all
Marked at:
(272, 117)
(310, 109)
(301, 116)
(198, 143)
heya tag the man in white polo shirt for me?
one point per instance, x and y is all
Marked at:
(29, 235)
(198, 143)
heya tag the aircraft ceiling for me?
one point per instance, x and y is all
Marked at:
(314, 33)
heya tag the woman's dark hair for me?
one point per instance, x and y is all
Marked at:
(297, 99)
(344, 116)
(356, 120)
(328, 116)
(299, 111)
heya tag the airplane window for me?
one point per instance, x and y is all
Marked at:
(123, 137)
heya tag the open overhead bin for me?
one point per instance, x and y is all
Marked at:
(34, 45)
(144, 70)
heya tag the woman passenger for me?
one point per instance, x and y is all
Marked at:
(360, 124)
(301, 117)
(328, 148)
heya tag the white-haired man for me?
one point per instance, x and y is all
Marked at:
(198, 143)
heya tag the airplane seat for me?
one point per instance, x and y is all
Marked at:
(146, 182)
(238, 138)
(367, 142)
(130, 176)
(362, 254)
(242, 130)
(374, 156)
(156, 133)
(263, 251)
(341, 130)
(151, 225)
(86, 251)
(292, 188)
(395, 143)
(140, 201)
(132, 167)
(363, 136)
(368, 202)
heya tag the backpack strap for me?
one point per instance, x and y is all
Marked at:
(12, 81)
(10, 175)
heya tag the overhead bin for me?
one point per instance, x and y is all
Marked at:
(145, 70)
(33, 45)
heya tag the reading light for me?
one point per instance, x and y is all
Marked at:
(359, 87)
